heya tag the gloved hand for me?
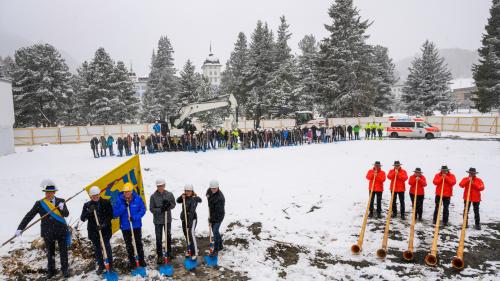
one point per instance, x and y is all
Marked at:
(61, 206)
(92, 208)
(19, 232)
(130, 219)
(99, 227)
(163, 209)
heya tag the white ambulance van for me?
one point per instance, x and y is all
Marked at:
(414, 127)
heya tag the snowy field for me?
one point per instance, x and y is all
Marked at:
(291, 213)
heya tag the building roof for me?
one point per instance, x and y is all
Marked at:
(211, 59)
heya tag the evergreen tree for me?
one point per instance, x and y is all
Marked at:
(308, 85)
(40, 85)
(101, 97)
(125, 103)
(80, 85)
(150, 112)
(382, 81)
(427, 86)
(487, 72)
(341, 62)
(189, 84)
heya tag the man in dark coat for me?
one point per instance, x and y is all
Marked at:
(216, 204)
(53, 227)
(104, 212)
(160, 204)
(94, 145)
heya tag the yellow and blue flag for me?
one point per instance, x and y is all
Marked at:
(111, 183)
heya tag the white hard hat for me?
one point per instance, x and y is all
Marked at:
(48, 185)
(160, 182)
(94, 190)
(213, 184)
(188, 187)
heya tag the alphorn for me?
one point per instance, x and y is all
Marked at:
(382, 252)
(408, 254)
(356, 248)
(431, 258)
(458, 261)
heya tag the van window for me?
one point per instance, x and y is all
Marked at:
(420, 125)
(403, 124)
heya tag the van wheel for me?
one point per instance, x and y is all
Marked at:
(394, 135)
(429, 136)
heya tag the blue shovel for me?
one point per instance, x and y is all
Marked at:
(139, 270)
(189, 262)
(109, 275)
(166, 269)
(211, 259)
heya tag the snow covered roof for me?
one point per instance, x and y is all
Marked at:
(211, 59)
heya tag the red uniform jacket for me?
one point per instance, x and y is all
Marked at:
(379, 180)
(476, 187)
(449, 182)
(400, 181)
(422, 182)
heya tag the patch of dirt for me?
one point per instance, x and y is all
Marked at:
(285, 254)
(312, 209)
(256, 229)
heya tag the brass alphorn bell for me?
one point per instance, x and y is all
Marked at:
(356, 248)
(382, 252)
(458, 261)
(431, 258)
(408, 254)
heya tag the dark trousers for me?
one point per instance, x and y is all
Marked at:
(120, 150)
(127, 236)
(420, 204)
(217, 236)
(377, 194)
(193, 247)
(136, 148)
(96, 242)
(159, 230)
(401, 196)
(96, 152)
(446, 213)
(111, 150)
(103, 151)
(50, 246)
(356, 135)
(477, 219)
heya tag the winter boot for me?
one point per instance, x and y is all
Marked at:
(478, 227)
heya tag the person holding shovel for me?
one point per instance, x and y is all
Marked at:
(189, 201)
(161, 203)
(216, 203)
(104, 212)
(130, 200)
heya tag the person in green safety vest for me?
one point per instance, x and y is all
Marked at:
(356, 129)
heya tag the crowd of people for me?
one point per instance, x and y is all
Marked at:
(195, 141)
(129, 209)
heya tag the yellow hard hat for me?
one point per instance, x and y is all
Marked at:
(127, 187)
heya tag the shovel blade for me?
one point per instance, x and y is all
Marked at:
(139, 271)
(167, 270)
(190, 264)
(211, 260)
(111, 276)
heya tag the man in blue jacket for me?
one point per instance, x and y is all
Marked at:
(130, 199)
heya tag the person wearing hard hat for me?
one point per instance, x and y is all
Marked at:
(104, 211)
(191, 200)
(129, 200)
(53, 227)
(161, 203)
(216, 204)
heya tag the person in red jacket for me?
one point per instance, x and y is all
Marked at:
(419, 190)
(399, 188)
(477, 186)
(376, 177)
(448, 179)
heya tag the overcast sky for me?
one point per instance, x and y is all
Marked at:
(129, 30)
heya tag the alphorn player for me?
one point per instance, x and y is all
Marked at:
(398, 183)
(449, 182)
(422, 183)
(376, 174)
(477, 186)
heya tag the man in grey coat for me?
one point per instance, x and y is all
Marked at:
(161, 203)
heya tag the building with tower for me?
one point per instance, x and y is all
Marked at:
(212, 69)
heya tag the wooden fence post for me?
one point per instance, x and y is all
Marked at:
(59, 134)
(32, 137)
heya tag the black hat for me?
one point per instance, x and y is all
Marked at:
(396, 163)
(377, 163)
(418, 170)
(472, 171)
(444, 168)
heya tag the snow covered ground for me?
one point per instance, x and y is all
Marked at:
(292, 212)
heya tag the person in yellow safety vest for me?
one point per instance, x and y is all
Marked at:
(367, 130)
(235, 135)
(380, 129)
(374, 130)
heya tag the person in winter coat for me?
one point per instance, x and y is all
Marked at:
(349, 131)
(143, 144)
(128, 144)
(380, 130)
(376, 177)
(476, 185)
(136, 141)
(419, 178)
(356, 129)
(447, 180)
(398, 183)
(103, 145)
(216, 205)
(104, 212)
(156, 127)
(110, 142)
(94, 145)
(53, 227)
(191, 200)
(129, 200)
(374, 130)
(160, 204)
(119, 143)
